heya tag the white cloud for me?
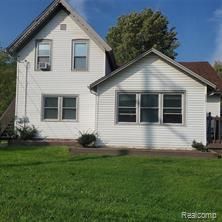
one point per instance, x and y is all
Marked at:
(80, 7)
(217, 18)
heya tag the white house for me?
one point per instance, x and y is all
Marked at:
(67, 82)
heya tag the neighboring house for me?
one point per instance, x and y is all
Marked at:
(67, 82)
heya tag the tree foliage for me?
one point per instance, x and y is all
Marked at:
(218, 67)
(7, 80)
(137, 32)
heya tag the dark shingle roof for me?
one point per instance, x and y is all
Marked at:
(205, 70)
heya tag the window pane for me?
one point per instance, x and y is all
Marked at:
(80, 49)
(149, 115)
(44, 49)
(128, 100)
(69, 114)
(172, 101)
(168, 111)
(149, 100)
(51, 102)
(50, 113)
(69, 102)
(127, 118)
(174, 118)
(80, 63)
(127, 110)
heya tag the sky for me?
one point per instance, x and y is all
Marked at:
(198, 22)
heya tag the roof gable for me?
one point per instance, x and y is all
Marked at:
(170, 61)
(47, 15)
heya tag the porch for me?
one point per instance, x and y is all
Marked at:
(214, 132)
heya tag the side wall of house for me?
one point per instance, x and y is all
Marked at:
(60, 81)
(152, 74)
(213, 105)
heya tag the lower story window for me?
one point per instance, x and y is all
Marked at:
(60, 108)
(162, 108)
(51, 108)
(127, 108)
(69, 108)
(172, 109)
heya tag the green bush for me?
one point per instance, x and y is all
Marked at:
(26, 132)
(199, 146)
(87, 139)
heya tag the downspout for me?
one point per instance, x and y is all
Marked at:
(26, 90)
(96, 108)
(17, 91)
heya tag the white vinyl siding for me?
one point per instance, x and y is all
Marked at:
(61, 80)
(214, 105)
(152, 74)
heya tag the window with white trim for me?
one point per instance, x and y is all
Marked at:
(80, 55)
(68, 108)
(149, 108)
(158, 108)
(43, 55)
(60, 108)
(172, 108)
(127, 108)
(51, 108)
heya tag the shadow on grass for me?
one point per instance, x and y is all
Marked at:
(74, 159)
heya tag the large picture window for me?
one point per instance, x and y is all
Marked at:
(80, 55)
(60, 108)
(43, 55)
(158, 108)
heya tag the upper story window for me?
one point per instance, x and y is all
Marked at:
(80, 55)
(43, 55)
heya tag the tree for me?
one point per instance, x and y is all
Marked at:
(137, 32)
(7, 80)
(218, 67)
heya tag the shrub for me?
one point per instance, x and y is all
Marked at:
(26, 132)
(87, 139)
(199, 146)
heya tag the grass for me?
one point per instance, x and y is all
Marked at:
(39, 184)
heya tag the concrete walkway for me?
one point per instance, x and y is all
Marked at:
(142, 152)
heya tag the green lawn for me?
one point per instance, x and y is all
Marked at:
(38, 184)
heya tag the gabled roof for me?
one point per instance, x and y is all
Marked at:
(45, 16)
(205, 70)
(188, 71)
